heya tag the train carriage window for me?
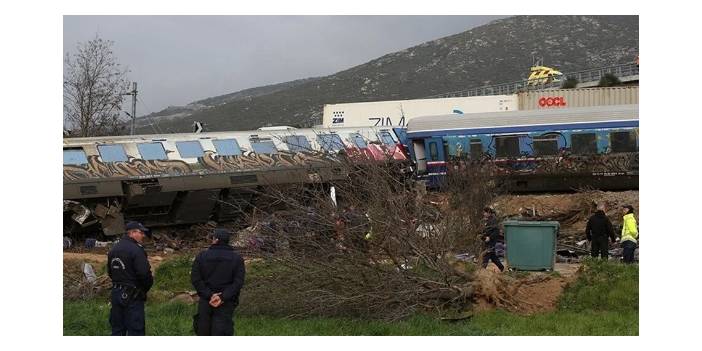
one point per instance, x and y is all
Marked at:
(152, 151)
(507, 146)
(583, 144)
(74, 156)
(357, 139)
(112, 153)
(476, 148)
(297, 143)
(622, 141)
(330, 142)
(386, 138)
(545, 145)
(190, 149)
(227, 147)
(263, 146)
(433, 151)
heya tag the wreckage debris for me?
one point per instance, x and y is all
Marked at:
(89, 273)
(67, 242)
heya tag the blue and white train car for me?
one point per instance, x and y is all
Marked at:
(536, 150)
(188, 178)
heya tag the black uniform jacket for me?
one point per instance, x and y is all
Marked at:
(492, 231)
(599, 226)
(127, 265)
(219, 269)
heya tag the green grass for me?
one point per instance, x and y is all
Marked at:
(91, 318)
(604, 286)
(174, 274)
(602, 301)
(559, 323)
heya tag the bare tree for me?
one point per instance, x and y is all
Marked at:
(93, 88)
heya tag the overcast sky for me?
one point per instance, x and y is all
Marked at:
(180, 59)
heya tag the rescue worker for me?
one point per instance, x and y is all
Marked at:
(130, 272)
(630, 233)
(218, 276)
(491, 234)
(598, 229)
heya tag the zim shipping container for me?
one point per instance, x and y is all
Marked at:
(584, 97)
(398, 113)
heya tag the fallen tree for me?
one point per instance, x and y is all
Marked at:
(378, 248)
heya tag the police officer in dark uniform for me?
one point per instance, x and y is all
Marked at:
(218, 276)
(597, 230)
(130, 272)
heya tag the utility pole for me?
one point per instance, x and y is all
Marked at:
(133, 93)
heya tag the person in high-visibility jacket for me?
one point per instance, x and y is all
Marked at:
(630, 234)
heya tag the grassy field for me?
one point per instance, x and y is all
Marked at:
(603, 301)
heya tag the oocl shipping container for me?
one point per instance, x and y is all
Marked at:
(584, 97)
(398, 113)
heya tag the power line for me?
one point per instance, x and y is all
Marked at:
(153, 123)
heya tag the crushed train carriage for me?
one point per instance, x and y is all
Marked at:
(191, 177)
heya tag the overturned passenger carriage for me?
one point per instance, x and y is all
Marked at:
(186, 178)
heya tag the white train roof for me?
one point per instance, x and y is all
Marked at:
(595, 114)
(239, 135)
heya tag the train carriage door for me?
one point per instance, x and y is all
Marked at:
(419, 155)
(434, 149)
(436, 161)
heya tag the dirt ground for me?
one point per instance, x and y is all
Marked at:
(528, 293)
(572, 210)
(101, 258)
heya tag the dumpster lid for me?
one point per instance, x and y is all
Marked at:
(532, 223)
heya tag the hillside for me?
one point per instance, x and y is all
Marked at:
(500, 51)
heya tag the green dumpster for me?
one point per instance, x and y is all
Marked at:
(531, 246)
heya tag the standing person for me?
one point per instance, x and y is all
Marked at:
(491, 234)
(630, 233)
(598, 229)
(218, 276)
(130, 272)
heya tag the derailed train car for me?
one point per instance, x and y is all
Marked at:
(186, 178)
(536, 150)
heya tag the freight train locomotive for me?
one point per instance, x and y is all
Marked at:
(184, 178)
(535, 150)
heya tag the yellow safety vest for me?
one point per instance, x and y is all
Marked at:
(629, 230)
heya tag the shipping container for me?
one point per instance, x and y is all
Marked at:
(585, 97)
(398, 113)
